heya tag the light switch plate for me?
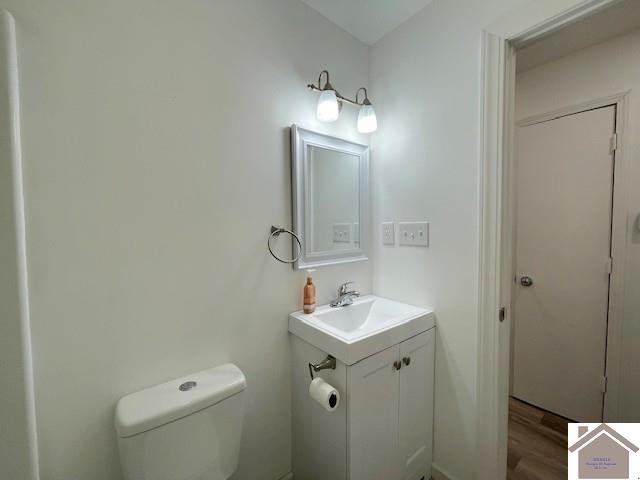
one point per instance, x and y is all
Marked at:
(341, 233)
(388, 234)
(414, 234)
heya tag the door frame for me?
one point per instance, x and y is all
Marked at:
(12, 128)
(615, 309)
(499, 42)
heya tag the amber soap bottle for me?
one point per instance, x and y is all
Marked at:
(309, 295)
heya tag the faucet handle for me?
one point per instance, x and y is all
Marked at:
(343, 288)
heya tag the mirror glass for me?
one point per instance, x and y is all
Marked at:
(333, 200)
(330, 193)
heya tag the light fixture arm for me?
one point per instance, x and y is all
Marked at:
(328, 86)
(366, 97)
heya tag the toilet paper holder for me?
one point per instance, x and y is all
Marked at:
(328, 363)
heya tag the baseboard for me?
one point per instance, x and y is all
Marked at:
(438, 473)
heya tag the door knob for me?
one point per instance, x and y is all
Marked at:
(526, 281)
(406, 361)
(397, 365)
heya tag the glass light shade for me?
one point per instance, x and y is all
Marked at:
(328, 109)
(367, 121)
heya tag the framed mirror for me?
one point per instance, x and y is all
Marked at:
(330, 182)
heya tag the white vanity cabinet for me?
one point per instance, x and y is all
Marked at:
(390, 412)
(382, 429)
(416, 406)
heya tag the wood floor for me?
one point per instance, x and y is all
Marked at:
(537, 443)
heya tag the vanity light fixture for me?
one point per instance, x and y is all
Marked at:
(330, 104)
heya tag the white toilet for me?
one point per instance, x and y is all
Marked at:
(186, 429)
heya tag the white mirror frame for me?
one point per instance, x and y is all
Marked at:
(301, 140)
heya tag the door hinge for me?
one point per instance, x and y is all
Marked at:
(603, 386)
(610, 265)
(614, 142)
(502, 314)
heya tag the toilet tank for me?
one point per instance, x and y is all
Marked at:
(185, 429)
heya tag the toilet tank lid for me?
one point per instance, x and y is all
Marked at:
(150, 408)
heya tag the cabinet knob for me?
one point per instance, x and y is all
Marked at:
(397, 365)
(526, 281)
(407, 361)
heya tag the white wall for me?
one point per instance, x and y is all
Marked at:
(606, 69)
(156, 157)
(425, 81)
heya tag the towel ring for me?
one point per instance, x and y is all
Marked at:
(275, 232)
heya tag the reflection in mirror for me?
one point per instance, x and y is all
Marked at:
(330, 193)
(333, 199)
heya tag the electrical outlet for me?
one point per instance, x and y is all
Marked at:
(388, 234)
(341, 233)
(414, 234)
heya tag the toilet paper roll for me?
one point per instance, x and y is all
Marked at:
(324, 394)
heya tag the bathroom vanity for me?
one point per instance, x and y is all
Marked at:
(384, 368)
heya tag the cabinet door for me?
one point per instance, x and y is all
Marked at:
(416, 406)
(373, 417)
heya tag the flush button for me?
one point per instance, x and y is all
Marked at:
(186, 386)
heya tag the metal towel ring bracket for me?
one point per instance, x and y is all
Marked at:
(275, 232)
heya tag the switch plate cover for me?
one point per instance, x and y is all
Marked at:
(388, 234)
(414, 234)
(341, 233)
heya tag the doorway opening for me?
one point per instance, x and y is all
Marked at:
(567, 233)
(559, 238)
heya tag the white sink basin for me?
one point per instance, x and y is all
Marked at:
(357, 331)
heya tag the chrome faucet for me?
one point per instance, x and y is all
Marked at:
(345, 296)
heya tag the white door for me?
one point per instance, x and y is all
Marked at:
(373, 417)
(563, 244)
(416, 406)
